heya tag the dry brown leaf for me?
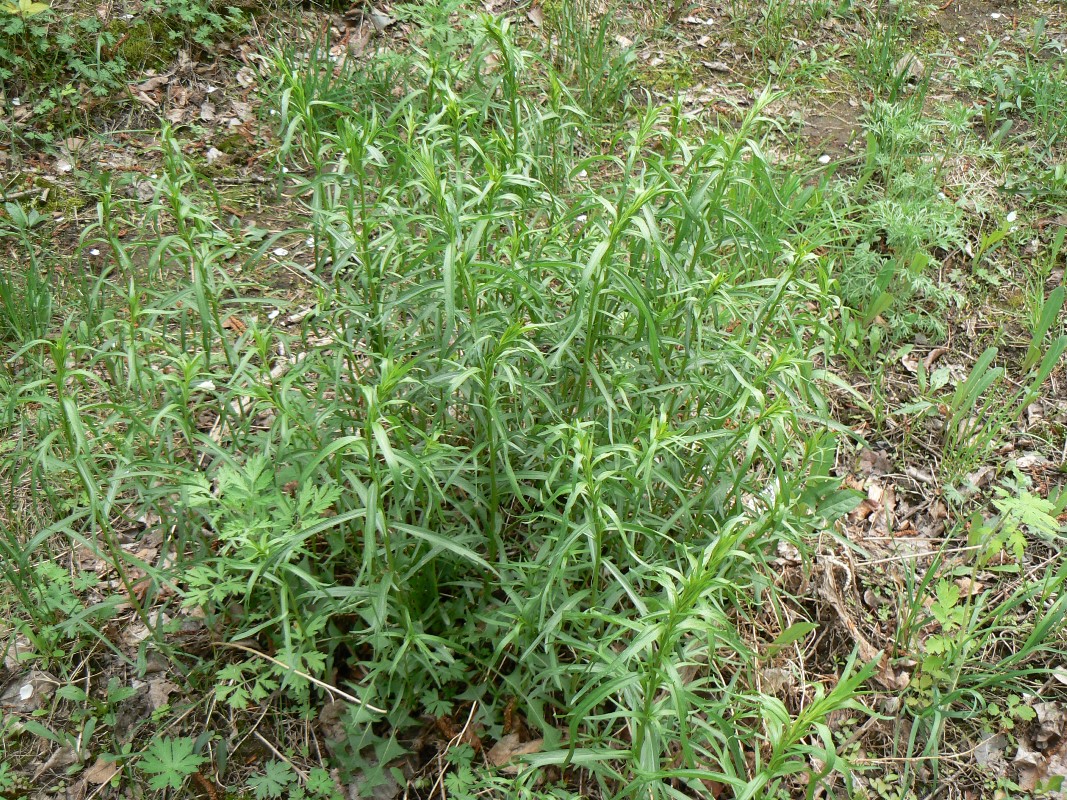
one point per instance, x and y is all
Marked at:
(509, 747)
(863, 510)
(159, 692)
(357, 44)
(379, 19)
(874, 462)
(29, 692)
(1051, 724)
(242, 111)
(920, 475)
(909, 68)
(246, 77)
(152, 84)
(101, 772)
(829, 590)
(934, 355)
(144, 98)
(536, 16)
(63, 757)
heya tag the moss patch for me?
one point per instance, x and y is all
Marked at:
(144, 44)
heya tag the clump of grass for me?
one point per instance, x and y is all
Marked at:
(585, 54)
(26, 299)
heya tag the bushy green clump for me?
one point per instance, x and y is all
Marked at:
(542, 432)
(901, 225)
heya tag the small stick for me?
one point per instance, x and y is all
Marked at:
(19, 195)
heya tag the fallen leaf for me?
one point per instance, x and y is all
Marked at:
(1031, 766)
(151, 84)
(17, 651)
(536, 16)
(934, 355)
(874, 462)
(246, 77)
(63, 757)
(101, 772)
(980, 477)
(991, 749)
(242, 111)
(909, 68)
(777, 680)
(144, 98)
(234, 324)
(379, 19)
(29, 692)
(510, 747)
(1031, 461)
(863, 510)
(921, 475)
(358, 44)
(159, 692)
(1051, 723)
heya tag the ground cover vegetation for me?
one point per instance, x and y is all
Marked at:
(533, 400)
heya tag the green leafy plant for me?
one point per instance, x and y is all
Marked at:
(26, 304)
(53, 60)
(169, 761)
(273, 781)
(1019, 513)
(533, 433)
(25, 8)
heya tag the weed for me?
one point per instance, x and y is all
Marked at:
(52, 60)
(26, 306)
(527, 440)
(902, 222)
(586, 56)
(169, 762)
(527, 401)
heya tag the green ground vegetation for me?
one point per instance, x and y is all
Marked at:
(517, 416)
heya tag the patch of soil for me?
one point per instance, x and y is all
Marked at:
(834, 127)
(979, 18)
